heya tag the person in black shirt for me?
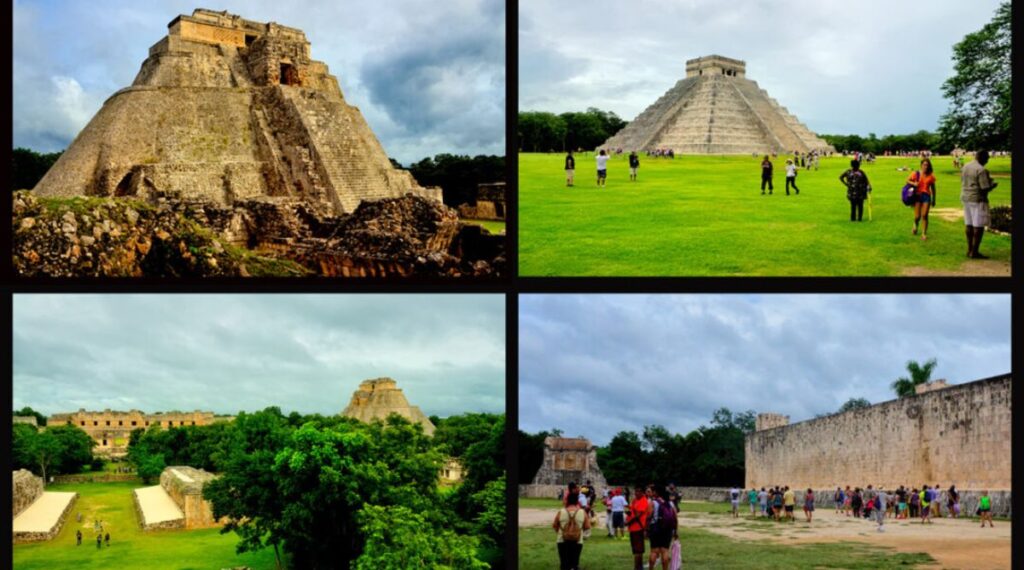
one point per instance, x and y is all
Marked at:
(570, 167)
(634, 164)
(766, 174)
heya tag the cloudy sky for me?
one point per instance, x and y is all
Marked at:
(226, 353)
(840, 67)
(595, 365)
(428, 76)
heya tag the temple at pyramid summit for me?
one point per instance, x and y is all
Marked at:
(228, 109)
(379, 398)
(716, 110)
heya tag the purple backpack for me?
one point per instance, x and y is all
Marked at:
(908, 192)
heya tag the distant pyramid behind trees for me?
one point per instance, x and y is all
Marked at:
(716, 110)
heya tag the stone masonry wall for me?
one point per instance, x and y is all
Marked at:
(185, 487)
(27, 488)
(960, 435)
(20, 537)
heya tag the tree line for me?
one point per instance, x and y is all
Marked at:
(547, 132)
(55, 450)
(458, 175)
(329, 491)
(707, 456)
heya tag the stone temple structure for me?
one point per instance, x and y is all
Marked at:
(943, 435)
(228, 109)
(177, 502)
(566, 459)
(38, 514)
(111, 430)
(716, 110)
(379, 398)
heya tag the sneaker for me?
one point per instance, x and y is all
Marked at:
(979, 256)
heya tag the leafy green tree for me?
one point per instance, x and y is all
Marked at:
(980, 92)
(27, 411)
(919, 374)
(28, 168)
(458, 175)
(22, 437)
(149, 466)
(45, 450)
(457, 433)
(398, 537)
(623, 460)
(531, 455)
(75, 448)
(541, 132)
(490, 518)
(854, 404)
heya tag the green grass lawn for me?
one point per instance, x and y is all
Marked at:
(705, 549)
(493, 226)
(705, 216)
(130, 547)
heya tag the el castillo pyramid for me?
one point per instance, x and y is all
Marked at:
(228, 109)
(716, 110)
(379, 398)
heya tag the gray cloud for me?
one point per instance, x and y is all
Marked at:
(428, 79)
(595, 365)
(872, 66)
(244, 352)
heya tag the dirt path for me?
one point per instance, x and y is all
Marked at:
(970, 268)
(955, 544)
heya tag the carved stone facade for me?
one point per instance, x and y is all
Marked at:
(378, 398)
(716, 110)
(112, 429)
(569, 459)
(489, 203)
(959, 435)
(228, 109)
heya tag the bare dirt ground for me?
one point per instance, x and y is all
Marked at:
(970, 268)
(955, 544)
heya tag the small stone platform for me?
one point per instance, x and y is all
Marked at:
(43, 519)
(156, 509)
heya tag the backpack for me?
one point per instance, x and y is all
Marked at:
(908, 192)
(663, 516)
(572, 530)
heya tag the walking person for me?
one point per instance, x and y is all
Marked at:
(107, 539)
(838, 499)
(882, 502)
(570, 168)
(975, 185)
(752, 499)
(766, 174)
(789, 501)
(915, 503)
(663, 528)
(99, 541)
(570, 523)
(985, 509)
(791, 177)
(953, 498)
(734, 498)
(602, 168)
(777, 504)
(809, 504)
(639, 510)
(926, 500)
(857, 189)
(634, 165)
(923, 181)
(619, 505)
(78, 537)
(762, 498)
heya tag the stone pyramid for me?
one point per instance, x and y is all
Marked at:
(716, 110)
(229, 109)
(378, 398)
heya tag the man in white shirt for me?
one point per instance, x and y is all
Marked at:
(619, 514)
(602, 168)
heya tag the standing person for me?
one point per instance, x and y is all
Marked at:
(915, 503)
(78, 537)
(602, 168)
(734, 498)
(809, 504)
(619, 505)
(975, 185)
(107, 539)
(901, 503)
(816, 159)
(926, 500)
(639, 510)
(923, 181)
(777, 504)
(838, 499)
(99, 541)
(847, 503)
(791, 176)
(857, 188)
(766, 174)
(570, 168)
(608, 520)
(882, 502)
(752, 499)
(762, 498)
(634, 164)
(985, 509)
(953, 500)
(674, 496)
(662, 530)
(856, 501)
(570, 523)
(789, 500)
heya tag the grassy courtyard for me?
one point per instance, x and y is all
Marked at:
(129, 546)
(705, 216)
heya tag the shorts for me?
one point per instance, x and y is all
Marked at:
(660, 539)
(976, 214)
(619, 520)
(923, 198)
(735, 505)
(809, 507)
(569, 171)
(633, 169)
(602, 174)
(902, 507)
(636, 541)
(789, 508)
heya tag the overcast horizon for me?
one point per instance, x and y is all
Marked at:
(870, 67)
(230, 352)
(594, 365)
(423, 93)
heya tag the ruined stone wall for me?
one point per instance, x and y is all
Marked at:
(27, 488)
(960, 435)
(185, 487)
(112, 429)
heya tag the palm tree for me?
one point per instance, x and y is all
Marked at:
(919, 374)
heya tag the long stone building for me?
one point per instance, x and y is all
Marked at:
(112, 429)
(945, 435)
(228, 109)
(715, 109)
